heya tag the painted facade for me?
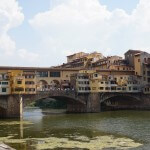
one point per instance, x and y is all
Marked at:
(17, 81)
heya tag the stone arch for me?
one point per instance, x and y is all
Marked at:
(42, 85)
(121, 101)
(55, 84)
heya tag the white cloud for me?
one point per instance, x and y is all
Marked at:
(11, 16)
(28, 56)
(74, 25)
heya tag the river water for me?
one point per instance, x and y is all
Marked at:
(43, 130)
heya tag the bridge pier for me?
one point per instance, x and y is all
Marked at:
(13, 109)
(76, 108)
(9, 106)
(93, 103)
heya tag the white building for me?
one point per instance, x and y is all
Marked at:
(4, 84)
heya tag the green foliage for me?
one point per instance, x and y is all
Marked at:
(50, 103)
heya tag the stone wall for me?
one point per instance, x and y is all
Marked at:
(13, 110)
(93, 103)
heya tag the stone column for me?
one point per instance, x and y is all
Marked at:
(93, 103)
(13, 109)
(21, 107)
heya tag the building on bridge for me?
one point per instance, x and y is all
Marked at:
(17, 81)
(82, 60)
(4, 83)
(142, 69)
(30, 82)
(94, 81)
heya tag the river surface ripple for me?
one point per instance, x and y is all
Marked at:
(55, 130)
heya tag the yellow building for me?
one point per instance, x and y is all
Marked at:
(81, 60)
(80, 81)
(75, 56)
(106, 62)
(30, 82)
(115, 81)
(17, 81)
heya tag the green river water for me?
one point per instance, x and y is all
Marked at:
(48, 130)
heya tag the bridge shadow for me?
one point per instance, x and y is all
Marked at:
(121, 103)
(52, 103)
(3, 112)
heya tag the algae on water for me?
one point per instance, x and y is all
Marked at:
(93, 144)
(80, 142)
(15, 123)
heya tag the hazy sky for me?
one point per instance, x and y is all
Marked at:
(43, 32)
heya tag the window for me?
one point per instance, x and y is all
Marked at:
(113, 88)
(4, 90)
(107, 88)
(138, 60)
(54, 74)
(129, 88)
(30, 90)
(135, 88)
(29, 76)
(19, 89)
(95, 75)
(124, 89)
(86, 88)
(29, 82)
(102, 82)
(19, 82)
(42, 73)
(4, 83)
(93, 88)
(148, 73)
(101, 88)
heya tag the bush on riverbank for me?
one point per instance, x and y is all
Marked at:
(50, 103)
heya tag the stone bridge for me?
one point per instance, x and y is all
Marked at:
(11, 105)
(106, 96)
(69, 96)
